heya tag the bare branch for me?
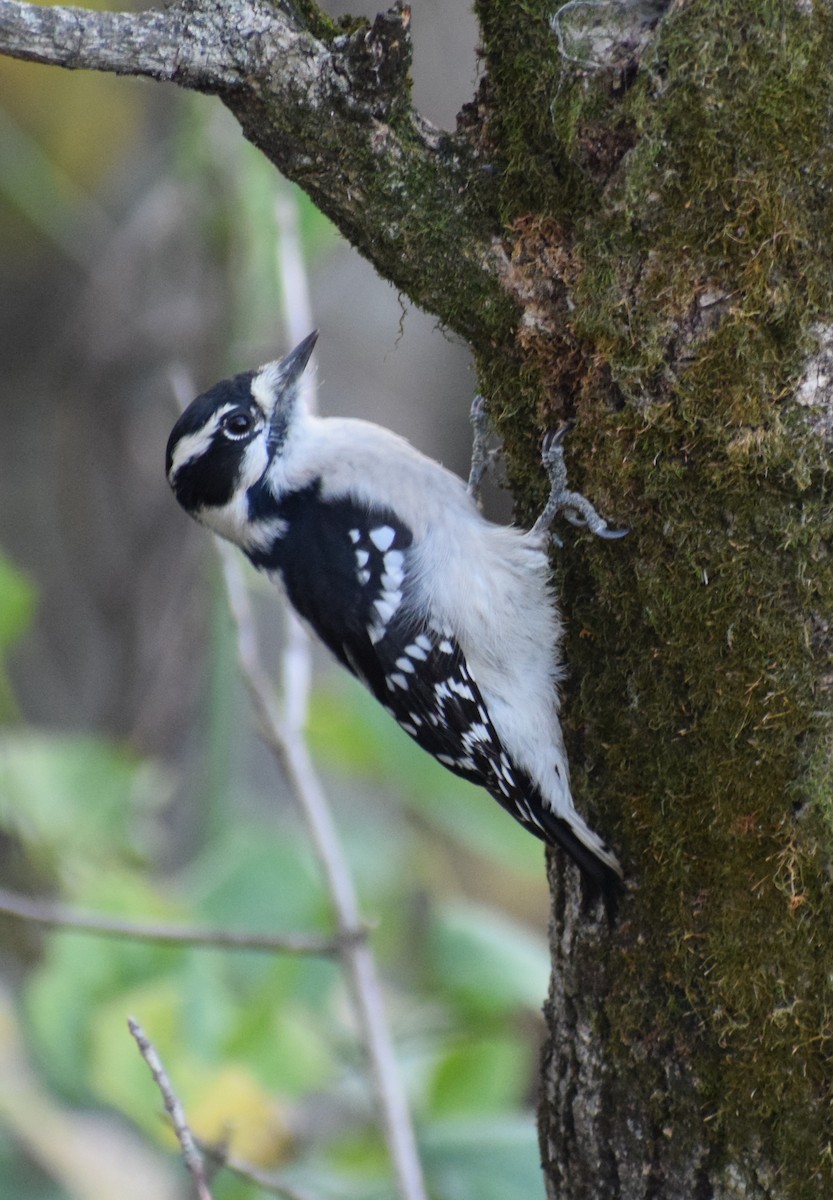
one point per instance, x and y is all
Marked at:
(190, 1151)
(157, 43)
(60, 916)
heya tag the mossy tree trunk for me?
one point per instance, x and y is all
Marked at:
(632, 227)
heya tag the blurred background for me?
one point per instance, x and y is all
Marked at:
(138, 243)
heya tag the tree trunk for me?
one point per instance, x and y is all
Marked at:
(632, 228)
(689, 1053)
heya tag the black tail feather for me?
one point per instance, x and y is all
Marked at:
(599, 881)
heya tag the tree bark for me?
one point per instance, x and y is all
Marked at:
(632, 227)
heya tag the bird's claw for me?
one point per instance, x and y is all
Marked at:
(576, 508)
(553, 439)
(482, 458)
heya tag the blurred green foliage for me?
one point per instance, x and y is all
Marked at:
(260, 1045)
(60, 133)
(17, 603)
(262, 1048)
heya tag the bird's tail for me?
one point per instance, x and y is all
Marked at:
(601, 873)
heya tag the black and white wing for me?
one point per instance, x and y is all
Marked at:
(345, 569)
(435, 699)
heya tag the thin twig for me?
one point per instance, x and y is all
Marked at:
(190, 1151)
(267, 1180)
(296, 655)
(294, 759)
(61, 916)
(283, 733)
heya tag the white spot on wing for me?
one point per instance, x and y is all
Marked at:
(385, 607)
(382, 537)
(393, 572)
(477, 733)
(462, 689)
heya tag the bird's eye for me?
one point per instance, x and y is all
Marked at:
(237, 424)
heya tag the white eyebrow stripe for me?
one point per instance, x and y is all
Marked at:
(265, 386)
(194, 444)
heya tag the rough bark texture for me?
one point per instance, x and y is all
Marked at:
(690, 1046)
(631, 226)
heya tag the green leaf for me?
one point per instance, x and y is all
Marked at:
(288, 1042)
(17, 606)
(80, 972)
(482, 1075)
(259, 878)
(17, 603)
(495, 1159)
(486, 962)
(74, 800)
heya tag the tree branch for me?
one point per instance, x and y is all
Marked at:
(333, 113)
(173, 1106)
(162, 44)
(60, 916)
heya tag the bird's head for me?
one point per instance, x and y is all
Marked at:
(225, 440)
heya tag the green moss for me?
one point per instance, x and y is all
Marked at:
(532, 129)
(727, 187)
(318, 22)
(705, 619)
(699, 710)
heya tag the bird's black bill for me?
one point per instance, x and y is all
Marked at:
(296, 360)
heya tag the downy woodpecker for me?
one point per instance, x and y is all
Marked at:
(448, 619)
